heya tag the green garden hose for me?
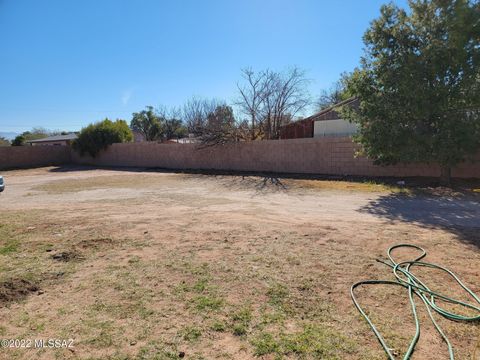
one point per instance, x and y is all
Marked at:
(406, 279)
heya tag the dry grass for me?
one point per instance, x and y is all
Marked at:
(366, 186)
(127, 181)
(175, 271)
(149, 180)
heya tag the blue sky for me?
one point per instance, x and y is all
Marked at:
(64, 64)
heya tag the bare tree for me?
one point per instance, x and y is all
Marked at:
(286, 95)
(195, 112)
(335, 94)
(252, 95)
(271, 99)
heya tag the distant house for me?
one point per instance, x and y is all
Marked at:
(58, 140)
(191, 139)
(327, 122)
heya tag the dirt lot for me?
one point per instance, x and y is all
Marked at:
(151, 265)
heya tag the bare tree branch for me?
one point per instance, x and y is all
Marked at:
(195, 112)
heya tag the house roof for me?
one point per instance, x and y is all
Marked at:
(318, 116)
(71, 136)
(324, 114)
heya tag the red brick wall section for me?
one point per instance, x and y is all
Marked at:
(332, 156)
(14, 157)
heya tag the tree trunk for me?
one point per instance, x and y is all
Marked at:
(253, 126)
(445, 175)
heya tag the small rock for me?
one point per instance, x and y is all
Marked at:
(133, 342)
(49, 250)
(40, 292)
(181, 354)
(31, 228)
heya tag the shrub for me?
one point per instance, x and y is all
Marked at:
(4, 142)
(19, 141)
(96, 137)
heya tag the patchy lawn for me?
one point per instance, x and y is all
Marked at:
(147, 265)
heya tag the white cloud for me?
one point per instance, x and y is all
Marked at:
(127, 94)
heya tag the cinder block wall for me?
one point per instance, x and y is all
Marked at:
(14, 157)
(333, 156)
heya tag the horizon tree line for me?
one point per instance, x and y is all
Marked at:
(265, 101)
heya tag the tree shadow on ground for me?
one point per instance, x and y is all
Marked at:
(269, 182)
(413, 183)
(458, 214)
(69, 168)
(260, 184)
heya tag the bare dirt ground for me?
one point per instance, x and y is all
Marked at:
(137, 264)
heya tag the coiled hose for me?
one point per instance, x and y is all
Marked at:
(406, 279)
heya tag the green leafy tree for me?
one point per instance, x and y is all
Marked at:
(19, 140)
(221, 127)
(37, 133)
(221, 117)
(148, 123)
(174, 129)
(34, 134)
(96, 137)
(419, 84)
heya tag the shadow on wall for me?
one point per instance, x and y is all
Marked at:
(459, 215)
